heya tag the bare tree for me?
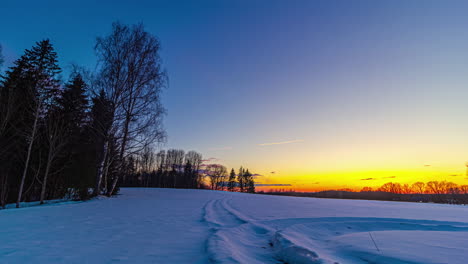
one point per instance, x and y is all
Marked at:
(131, 75)
(56, 140)
(391, 188)
(406, 189)
(160, 165)
(218, 176)
(146, 160)
(195, 160)
(418, 187)
(439, 188)
(175, 161)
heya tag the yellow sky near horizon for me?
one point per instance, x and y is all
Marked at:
(351, 165)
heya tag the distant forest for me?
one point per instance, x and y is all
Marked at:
(96, 131)
(432, 191)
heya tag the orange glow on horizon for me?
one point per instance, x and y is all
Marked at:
(359, 179)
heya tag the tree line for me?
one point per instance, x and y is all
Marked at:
(243, 181)
(75, 138)
(176, 168)
(431, 191)
(431, 187)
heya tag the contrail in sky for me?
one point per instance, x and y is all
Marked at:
(280, 143)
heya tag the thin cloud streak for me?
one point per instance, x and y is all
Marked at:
(266, 184)
(281, 143)
(221, 148)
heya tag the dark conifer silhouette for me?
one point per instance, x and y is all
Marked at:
(232, 181)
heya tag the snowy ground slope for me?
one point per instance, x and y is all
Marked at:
(196, 226)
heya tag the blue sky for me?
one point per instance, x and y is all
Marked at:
(354, 86)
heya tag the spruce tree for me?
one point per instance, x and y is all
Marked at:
(41, 85)
(74, 107)
(240, 179)
(232, 181)
(249, 182)
(14, 115)
(74, 104)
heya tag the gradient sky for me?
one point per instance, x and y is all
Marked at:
(353, 93)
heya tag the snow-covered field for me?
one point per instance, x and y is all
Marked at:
(197, 226)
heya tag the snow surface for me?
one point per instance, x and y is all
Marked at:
(199, 226)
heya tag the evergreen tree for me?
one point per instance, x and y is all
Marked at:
(101, 122)
(29, 91)
(14, 115)
(249, 182)
(74, 104)
(40, 85)
(232, 181)
(240, 179)
(195, 160)
(79, 160)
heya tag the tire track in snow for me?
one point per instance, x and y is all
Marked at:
(234, 238)
(217, 216)
(283, 250)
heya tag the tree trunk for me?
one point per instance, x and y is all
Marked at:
(114, 184)
(46, 174)
(26, 164)
(121, 156)
(4, 190)
(101, 169)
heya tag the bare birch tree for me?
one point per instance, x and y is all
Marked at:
(131, 75)
(55, 133)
